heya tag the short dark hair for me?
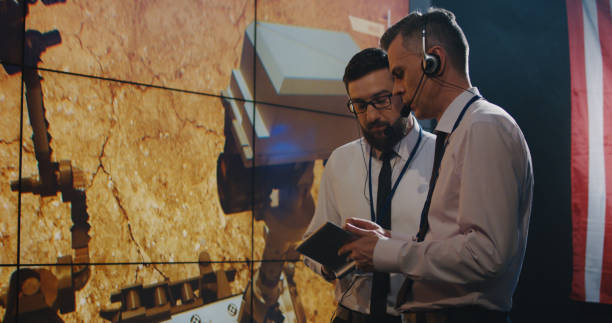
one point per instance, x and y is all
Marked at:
(364, 62)
(441, 28)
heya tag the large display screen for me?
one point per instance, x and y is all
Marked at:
(159, 160)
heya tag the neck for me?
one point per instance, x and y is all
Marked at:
(449, 88)
(446, 100)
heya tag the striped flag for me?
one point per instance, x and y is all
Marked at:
(590, 45)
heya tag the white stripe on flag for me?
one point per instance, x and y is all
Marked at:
(597, 173)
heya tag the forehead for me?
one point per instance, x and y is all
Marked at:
(371, 84)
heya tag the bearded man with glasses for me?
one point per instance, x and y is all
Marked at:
(382, 177)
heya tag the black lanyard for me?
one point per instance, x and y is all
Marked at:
(460, 117)
(467, 105)
(399, 178)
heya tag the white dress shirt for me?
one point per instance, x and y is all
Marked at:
(479, 215)
(344, 194)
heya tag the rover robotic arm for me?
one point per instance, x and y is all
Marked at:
(35, 295)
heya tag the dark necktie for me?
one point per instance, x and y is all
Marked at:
(424, 225)
(380, 281)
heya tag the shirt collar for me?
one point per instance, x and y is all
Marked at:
(404, 147)
(450, 115)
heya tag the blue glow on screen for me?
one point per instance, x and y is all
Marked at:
(279, 129)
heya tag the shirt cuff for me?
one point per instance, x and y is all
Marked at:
(386, 255)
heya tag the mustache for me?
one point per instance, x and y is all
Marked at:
(377, 123)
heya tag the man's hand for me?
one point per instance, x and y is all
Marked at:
(362, 249)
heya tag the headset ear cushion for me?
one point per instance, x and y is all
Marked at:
(431, 64)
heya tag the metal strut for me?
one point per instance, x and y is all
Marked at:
(39, 292)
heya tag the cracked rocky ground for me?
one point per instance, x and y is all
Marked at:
(149, 154)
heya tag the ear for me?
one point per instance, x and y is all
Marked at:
(442, 56)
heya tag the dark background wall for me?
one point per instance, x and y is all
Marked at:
(519, 59)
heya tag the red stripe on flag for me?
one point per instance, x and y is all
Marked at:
(579, 145)
(604, 20)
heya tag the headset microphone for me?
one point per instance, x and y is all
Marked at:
(405, 112)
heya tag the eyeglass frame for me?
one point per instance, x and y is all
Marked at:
(366, 104)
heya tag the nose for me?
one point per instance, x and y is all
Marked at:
(372, 114)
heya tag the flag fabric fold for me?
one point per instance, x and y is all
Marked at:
(590, 46)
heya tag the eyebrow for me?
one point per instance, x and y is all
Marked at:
(377, 94)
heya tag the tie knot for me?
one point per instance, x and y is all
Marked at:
(387, 155)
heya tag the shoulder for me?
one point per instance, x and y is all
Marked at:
(488, 123)
(487, 112)
(356, 146)
(349, 151)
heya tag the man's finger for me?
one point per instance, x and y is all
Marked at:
(357, 230)
(362, 223)
(345, 249)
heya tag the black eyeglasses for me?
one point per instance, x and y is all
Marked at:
(379, 103)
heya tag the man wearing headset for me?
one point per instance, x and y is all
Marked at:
(464, 263)
(381, 177)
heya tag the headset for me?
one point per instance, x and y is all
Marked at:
(431, 62)
(430, 66)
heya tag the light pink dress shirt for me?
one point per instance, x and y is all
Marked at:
(479, 216)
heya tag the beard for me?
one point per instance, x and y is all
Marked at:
(390, 136)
